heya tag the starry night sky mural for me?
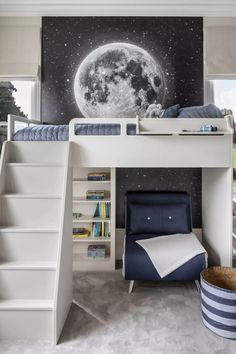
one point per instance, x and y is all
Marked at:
(119, 66)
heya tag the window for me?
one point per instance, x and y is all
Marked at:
(224, 93)
(19, 97)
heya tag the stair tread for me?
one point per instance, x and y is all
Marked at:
(31, 196)
(33, 164)
(27, 229)
(30, 265)
(25, 304)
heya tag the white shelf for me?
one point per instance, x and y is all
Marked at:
(81, 262)
(85, 181)
(85, 200)
(90, 218)
(26, 304)
(82, 257)
(197, 133)
(27, 265)
(92, 239)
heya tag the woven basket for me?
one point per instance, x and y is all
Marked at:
(218, 294)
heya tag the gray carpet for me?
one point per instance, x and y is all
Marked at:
(157, 318)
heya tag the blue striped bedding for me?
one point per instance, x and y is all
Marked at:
(61, 132)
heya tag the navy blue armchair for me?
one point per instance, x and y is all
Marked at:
(151, 214)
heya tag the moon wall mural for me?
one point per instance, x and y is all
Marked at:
(119, 66)
(118, 80)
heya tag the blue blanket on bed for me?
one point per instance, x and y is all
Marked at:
(61, 132)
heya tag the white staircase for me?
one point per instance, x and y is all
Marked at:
(35, 239)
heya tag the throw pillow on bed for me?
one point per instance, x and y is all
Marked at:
(171, 112)
(207, 111)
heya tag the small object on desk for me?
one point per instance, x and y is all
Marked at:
(208, 128)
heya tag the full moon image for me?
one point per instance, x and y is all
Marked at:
(118, 80)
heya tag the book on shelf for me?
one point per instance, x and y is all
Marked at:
(97, 176)
(95, 194)
(101, 229)
(96, 251)
(103, 210)
(80, 232)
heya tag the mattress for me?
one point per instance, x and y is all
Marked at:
(61, 132)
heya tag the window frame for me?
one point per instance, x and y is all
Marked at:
(35, 113)
(209, 86)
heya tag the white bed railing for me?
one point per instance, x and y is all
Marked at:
(16, 123)
(158, 142)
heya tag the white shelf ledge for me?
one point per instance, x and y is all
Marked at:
(90, 218)
(92, 239)
(82, 257)
(84, 180)
(85, 200)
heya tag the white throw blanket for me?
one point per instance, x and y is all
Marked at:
(169, 252)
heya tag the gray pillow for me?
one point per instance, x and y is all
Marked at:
(171, 112)
(207, 111)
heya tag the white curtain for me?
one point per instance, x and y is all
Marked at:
(20, 47)
(220, 50)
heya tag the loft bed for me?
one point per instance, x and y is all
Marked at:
(105, 143)
(163, 143)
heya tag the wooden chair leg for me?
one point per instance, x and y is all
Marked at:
(198, 285)
(131, 285)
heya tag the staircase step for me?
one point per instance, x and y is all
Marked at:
(31, 230)
(33, 164)
(26, 283)
(31, 196)
(18, 265)
(26, 305)
(26, 320)
(31, 211)
(19, 244)
(33, 178)
(38, 152)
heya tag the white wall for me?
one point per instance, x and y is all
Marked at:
(118, 8)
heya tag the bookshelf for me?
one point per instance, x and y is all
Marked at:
(81, 261)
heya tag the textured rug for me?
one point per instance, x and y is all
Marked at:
(160, 318)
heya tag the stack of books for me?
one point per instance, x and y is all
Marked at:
(101, 229)
(95, 195)
(96, 251)
(97, 176)
(80, 232)
(103, 210)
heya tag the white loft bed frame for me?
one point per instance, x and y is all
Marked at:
(165, 143)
